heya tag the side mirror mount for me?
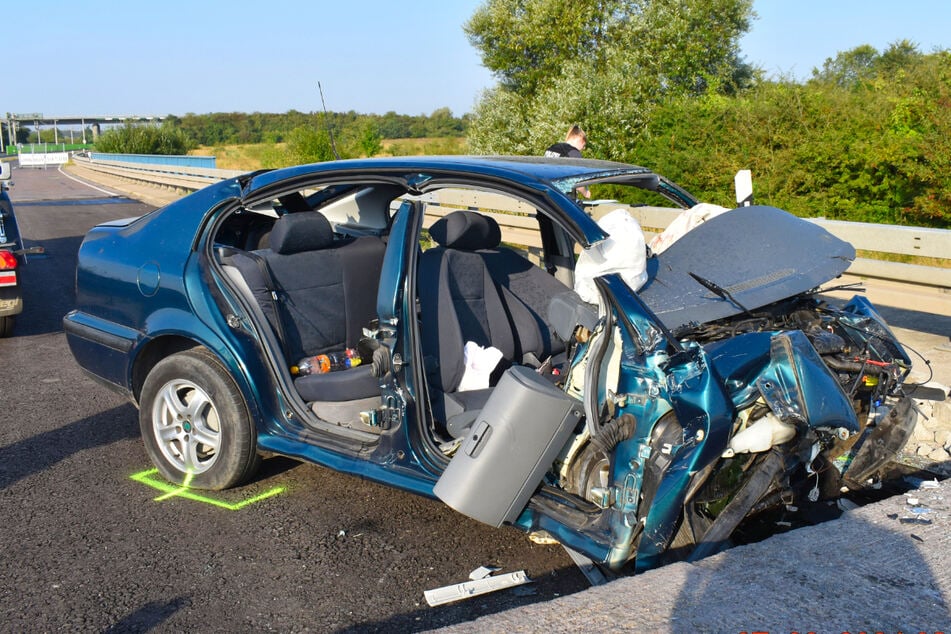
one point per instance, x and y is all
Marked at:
(743, 181)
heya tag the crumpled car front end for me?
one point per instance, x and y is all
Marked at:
(722, 399)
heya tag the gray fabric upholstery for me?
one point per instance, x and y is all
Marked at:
(299, 232)
(318, 294)
(466, 230)
(471, 290)
(459, 302)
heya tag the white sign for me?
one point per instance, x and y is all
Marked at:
(43, 159)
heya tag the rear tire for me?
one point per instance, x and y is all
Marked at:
(6, 325)
(195, 423)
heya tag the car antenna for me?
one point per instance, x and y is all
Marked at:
(330, 131)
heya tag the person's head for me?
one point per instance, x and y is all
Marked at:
(576, 137)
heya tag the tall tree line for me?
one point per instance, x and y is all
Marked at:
(228, 128)
(661, 83)
(293, 137)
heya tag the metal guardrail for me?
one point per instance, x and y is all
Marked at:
(186, 161)
(868, 237)
(175, 176)
(518, 228)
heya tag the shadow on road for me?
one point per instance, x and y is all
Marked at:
(427, 618)
(38, 453)
(149, 616)
(916, 320)
(844, 576)
(48, 285)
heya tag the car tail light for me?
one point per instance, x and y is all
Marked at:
(8, 265)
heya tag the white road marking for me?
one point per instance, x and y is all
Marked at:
(81, 182)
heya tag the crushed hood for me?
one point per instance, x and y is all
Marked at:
(758, 255)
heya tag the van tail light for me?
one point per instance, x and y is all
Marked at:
(7, 260)
(8, 265)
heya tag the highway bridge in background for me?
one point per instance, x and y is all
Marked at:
(36, 120)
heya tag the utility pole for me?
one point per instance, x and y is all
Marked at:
(11, 131)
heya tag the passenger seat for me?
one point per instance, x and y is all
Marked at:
(470, 289)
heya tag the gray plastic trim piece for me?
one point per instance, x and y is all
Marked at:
(469, 589)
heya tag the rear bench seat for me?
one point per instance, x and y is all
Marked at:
(318, 292)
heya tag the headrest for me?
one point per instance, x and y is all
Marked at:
(466, 230)
(304, 231)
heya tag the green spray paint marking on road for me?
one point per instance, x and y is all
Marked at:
(170, 491)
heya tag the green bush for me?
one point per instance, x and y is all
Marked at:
(870, 144)
(145, 139)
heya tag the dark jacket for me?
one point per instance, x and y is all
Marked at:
(565, 150)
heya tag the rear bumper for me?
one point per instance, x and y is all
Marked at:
(101, 348)
(11, 300)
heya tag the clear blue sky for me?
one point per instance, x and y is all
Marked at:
(100, 57)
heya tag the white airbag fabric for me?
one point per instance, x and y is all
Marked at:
(690, 218)
(479, 365)
(623, 252)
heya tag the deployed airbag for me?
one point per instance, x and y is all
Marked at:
(623, 252)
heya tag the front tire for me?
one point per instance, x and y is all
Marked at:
(195, 423)
(589, 473)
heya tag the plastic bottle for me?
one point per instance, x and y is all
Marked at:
(330, 362)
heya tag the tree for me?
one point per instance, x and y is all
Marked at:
(370, 142)
(871, 150)
(860, 65)
(524, 42)
(309, 144)
(848, 68)
(145, 139)
(601, 63)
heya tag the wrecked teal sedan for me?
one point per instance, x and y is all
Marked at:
(495, 343)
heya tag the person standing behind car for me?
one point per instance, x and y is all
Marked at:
(575, 141)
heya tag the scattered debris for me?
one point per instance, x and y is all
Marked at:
(542, 538)
(919, 483)
(913, 536)
(588, 568)
(525, 591)
(482, 572)
(469, 589)
(912, 501)
(846, 505)
(930, 443)
(915, 520)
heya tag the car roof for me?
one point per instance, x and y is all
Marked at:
(560, 173)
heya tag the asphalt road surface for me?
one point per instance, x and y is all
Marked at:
(85, 547)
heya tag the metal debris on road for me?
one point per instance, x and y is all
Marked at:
(469, 589)
(482, 572)
(915, 520)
